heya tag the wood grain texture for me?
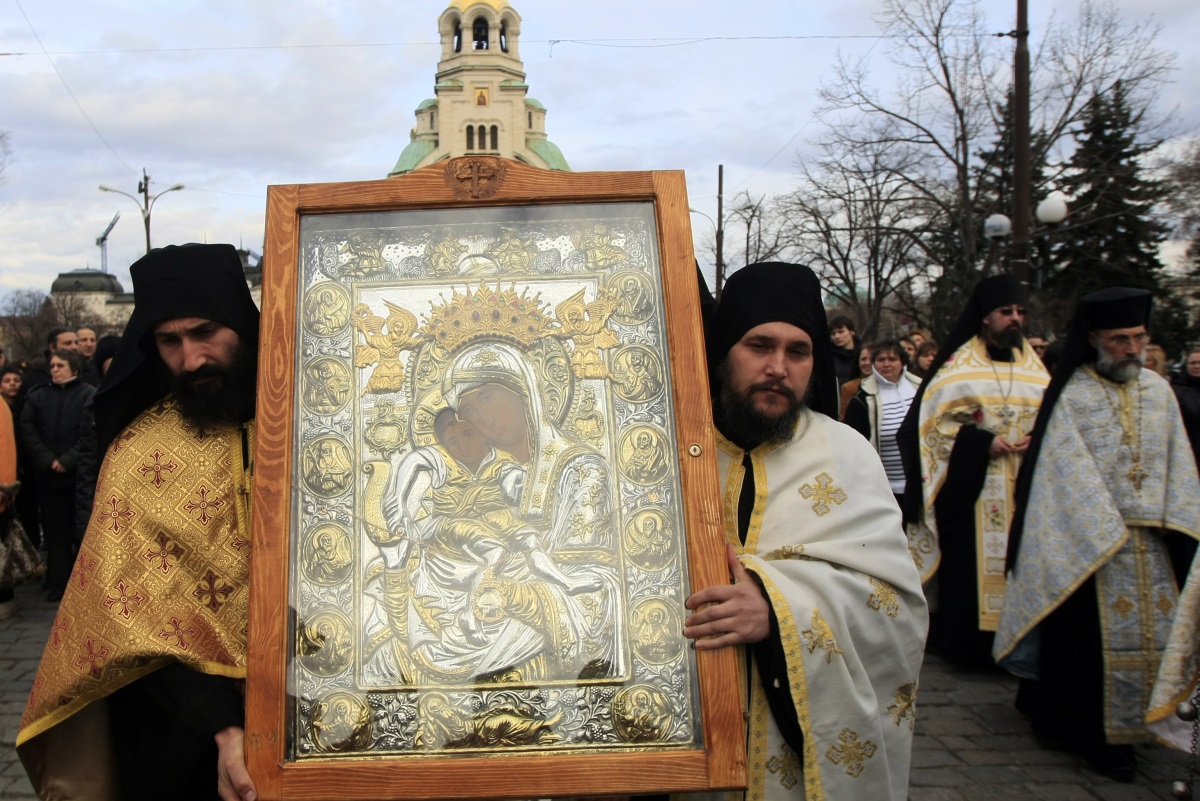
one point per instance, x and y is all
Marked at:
(724, 735)
(722, 762)
(271, 512)
(527, 776)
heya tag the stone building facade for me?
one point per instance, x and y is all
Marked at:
(482, 104)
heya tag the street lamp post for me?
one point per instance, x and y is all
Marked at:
(1050, 213)
(1022, 172)
(146, 202)
(995, 228)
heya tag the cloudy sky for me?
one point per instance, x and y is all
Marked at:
(228, 97)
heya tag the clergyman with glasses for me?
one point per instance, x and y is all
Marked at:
(962, 443)
(1105, 530)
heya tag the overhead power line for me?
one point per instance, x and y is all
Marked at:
(615, 42)
(66, 86)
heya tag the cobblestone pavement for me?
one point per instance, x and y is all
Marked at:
(971, 744)
(22, 638)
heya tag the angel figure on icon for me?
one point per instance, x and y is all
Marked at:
(383, 348)
(585, 325)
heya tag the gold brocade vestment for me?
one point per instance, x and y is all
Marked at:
(1002, 398)
(162, 576)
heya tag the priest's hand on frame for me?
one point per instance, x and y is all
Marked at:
(729, 614)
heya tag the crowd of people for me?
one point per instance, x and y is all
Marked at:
(48, 400)
(1046, 518)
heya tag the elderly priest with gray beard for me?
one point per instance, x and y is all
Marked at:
(1106, 523)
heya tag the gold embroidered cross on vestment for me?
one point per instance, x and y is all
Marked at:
(822, 493)
(787, 765)
(851, 751)
(820, 636)
(884, 598)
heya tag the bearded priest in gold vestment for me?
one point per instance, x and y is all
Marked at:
(962, 443)
(825, 597)
(139, 694)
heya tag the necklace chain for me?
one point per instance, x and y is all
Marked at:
(1006, 412)
(1132, 439)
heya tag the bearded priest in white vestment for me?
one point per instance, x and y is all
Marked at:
(825, 597)
(1108, 514)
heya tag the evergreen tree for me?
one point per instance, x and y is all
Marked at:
(1113, 237)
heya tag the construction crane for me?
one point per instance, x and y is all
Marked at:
(102, 243)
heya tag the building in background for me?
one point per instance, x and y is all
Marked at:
(482, 105)
(82, 297)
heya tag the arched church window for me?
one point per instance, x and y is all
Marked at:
(482, 138)
(480, 33)
(531, 120)
(458, 37)
(504, 37)
(470, 137)
(432, 120)
(495, 138)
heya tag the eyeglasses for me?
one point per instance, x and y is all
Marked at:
(1125, 340)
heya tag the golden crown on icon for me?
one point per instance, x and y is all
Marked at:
(491, 314)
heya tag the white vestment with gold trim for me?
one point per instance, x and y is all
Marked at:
(826, 542)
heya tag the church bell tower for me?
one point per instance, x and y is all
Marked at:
(482, 105)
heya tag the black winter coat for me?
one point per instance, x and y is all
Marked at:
(1187, 391)
(51, 427)
(845, 362)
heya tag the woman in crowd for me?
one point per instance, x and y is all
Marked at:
(50, 430)
(851, 387)
(878, 408)
(919, 336)
(926, 352)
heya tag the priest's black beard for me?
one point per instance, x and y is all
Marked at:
(212, 394)
(1122, 371)
(1008, 338)
(743, 424)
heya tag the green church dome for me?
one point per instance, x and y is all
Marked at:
(549, 152)
(411, 156)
